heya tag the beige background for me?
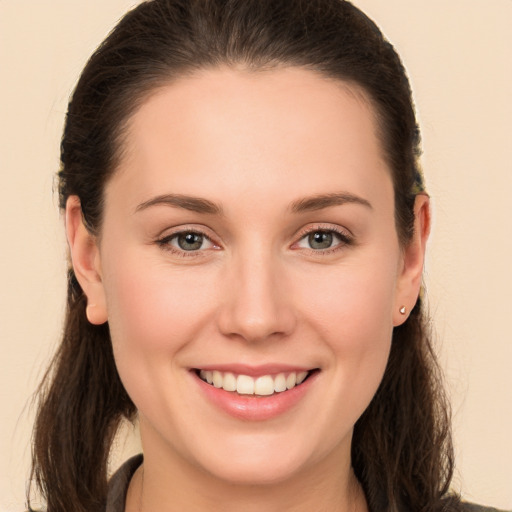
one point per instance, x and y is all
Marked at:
(459, 57)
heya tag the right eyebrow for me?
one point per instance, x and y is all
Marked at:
(191, 203)
(321, 201)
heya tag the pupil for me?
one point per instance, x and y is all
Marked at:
(320, 240)
(190, 241)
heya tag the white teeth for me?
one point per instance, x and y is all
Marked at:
(280, 383)
(301, 376)
(217, 379)
(264, 385)
(229, 382)
(207, 376)
(245, 385)
(291, 380)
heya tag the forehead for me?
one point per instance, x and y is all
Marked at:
(231, 131)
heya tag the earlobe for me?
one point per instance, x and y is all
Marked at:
(85, 257)
(411, 273)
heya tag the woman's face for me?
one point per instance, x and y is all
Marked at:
(249, 237)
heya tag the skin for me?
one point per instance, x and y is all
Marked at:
(256, 292)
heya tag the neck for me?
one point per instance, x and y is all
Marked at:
(173, 484)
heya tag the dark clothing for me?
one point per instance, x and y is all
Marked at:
(120, 480)
(118, 485)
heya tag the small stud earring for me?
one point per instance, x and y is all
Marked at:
(402, 310)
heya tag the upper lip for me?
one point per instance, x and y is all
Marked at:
(254, 370)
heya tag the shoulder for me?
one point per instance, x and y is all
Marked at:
(471, 507)
(118, 484)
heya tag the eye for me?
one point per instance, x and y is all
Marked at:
(189, 241)
(320, 240)
(323, 240)
(186, 241)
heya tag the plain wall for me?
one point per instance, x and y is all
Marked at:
(458, 54)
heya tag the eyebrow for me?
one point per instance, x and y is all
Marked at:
(193, 204)
(200, 205)
(322, 201)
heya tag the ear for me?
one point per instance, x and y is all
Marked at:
(85, 256)
(411, 271)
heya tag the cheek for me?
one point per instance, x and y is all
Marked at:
(351, 306)
(351, 309)
(152, 315)
(151, 306)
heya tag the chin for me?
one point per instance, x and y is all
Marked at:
(256, 472)
(262, 461)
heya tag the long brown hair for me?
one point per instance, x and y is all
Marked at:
(401, 449)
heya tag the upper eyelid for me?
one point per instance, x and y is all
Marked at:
(177, 230)
(164, 239)
(164, 242)
(345, 236)
(172, 236)
(170, 233)
(301, 233)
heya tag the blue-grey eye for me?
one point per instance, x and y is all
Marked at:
(321, 239)
(190, 241)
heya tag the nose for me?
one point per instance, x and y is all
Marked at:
(257, 302)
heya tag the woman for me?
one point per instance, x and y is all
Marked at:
(247, 226)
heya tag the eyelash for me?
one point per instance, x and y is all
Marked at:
(165, 243)
(345, 240)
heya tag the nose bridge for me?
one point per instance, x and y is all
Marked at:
(257, 305)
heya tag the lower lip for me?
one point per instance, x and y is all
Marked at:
(253, 407)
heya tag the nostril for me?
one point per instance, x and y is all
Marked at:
(256, 308)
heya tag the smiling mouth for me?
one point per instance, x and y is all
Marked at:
(264, 385)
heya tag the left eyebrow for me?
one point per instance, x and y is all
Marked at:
(322, 201)
(194, 204)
